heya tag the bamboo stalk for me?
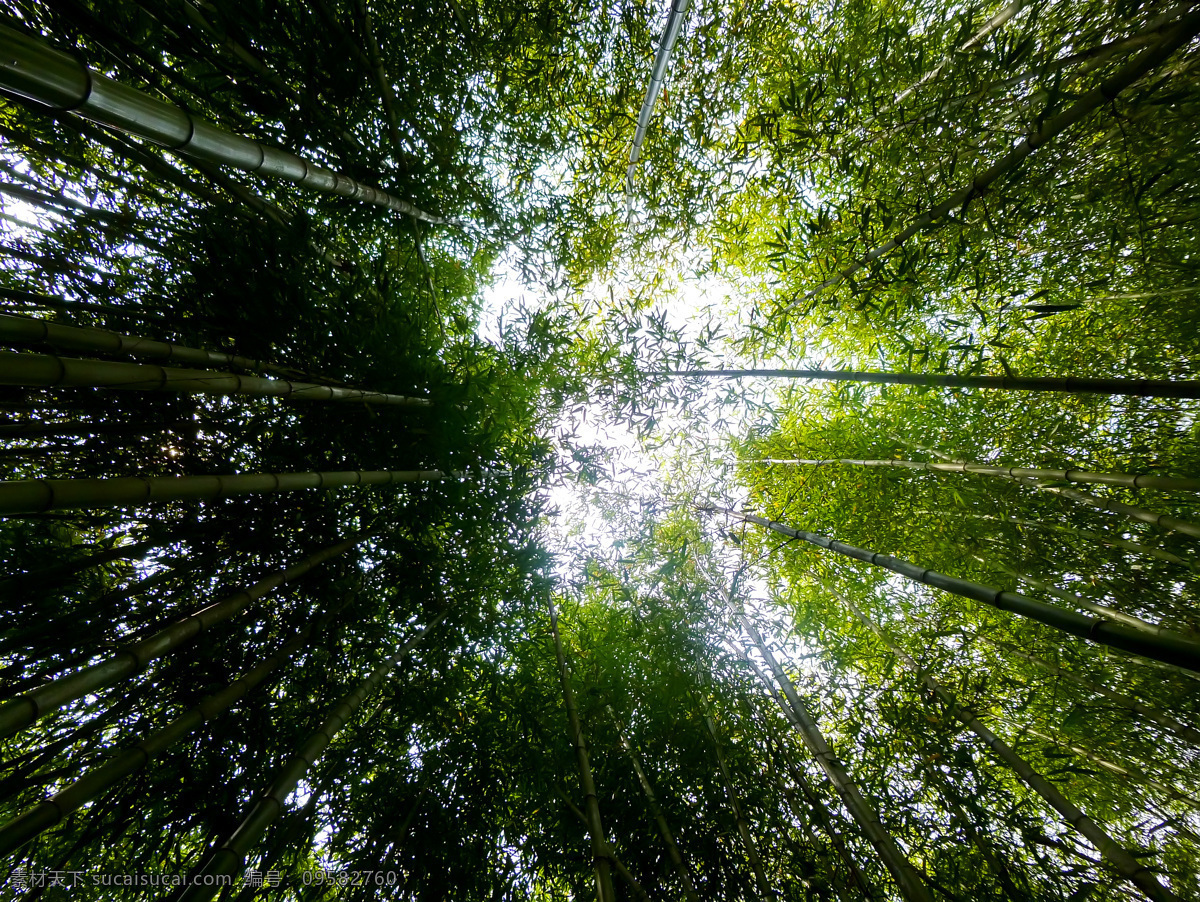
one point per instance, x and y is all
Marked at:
(52, 810)
(52, 371)
(32, 69)
(52, 576)
(1133, 481)
(1170, 649)
(1124, 771)
(820, 812)
(135, 657)
(37, 495)
(1078, 600)
(605, 891)
(618, 865)
(1124, 863)
(1151, 388)
(664, 829)
(1166, 721)
(228, 857)
(28, 330)
(743, 826)
(909, 882)
(662, 59)
(1045, 131)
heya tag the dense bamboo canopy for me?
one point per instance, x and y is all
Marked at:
(492, 451)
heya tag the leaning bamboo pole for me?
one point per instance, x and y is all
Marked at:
(52, 810)
(1099, 610)
(1164, 720)
(228, 857)
(1128, 480)
(36, 495)
(1169, 649)
(1046, 129)
(908, 881)
(664, 829)
(32, 69)
(819, 812)
(1150, 388)
(1113, 853)
(28, 330)
(662, 59)
(23, 710)
(52, 371)
(743, 826)
(605, 892)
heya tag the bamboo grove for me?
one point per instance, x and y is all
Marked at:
(282, 611)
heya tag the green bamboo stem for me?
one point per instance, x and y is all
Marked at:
(228, 857)
(1121, 861)
(618, 865)
(1162, 521)
(135, 657)
(1046, 130)
(1135, 547)
(1170, 649)
(37, 495)
(1079, 601)
(743, 826)
(1164, 720)
(75, 430)
(27, 330)
(52, 371)
(817, 806)
(909, 882)
(52, 576)
(658, 74)
(991, 25)
(664, 829)
(1152, 388)
(980, 840)
(52, 810)
(32, 69)
(605, 891)
(1124, 771)
(379, 73)
(1138, 481)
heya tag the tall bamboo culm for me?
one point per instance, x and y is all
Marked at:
(229, 856)
(605, 891)
(1169, 649)
(1120, 859)
(23, 710)
(32, 69)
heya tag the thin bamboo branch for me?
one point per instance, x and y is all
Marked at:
(743, 826)
(1152, 388)
(664, 829)
(1164, 720)
(1045, 131)
(600, 860)
(228, 857)
(1138, 481)
(52, 810)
